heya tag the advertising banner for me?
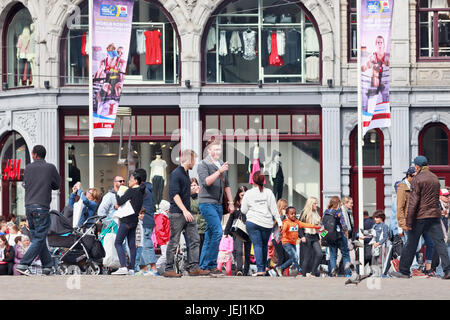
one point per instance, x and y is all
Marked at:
(375, 31)
(112, 22)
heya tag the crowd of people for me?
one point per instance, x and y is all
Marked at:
(249, 234)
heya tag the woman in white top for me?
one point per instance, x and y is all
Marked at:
(260, 207)
(310, 238)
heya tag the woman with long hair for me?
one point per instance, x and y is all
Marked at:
(310, 240)
(241, 248)
(90, 198)
(334, 211)
(6, 257)
(260, 207)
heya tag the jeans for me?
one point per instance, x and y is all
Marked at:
(292, 252)
(342, 245)
(260, 238)
(313, 255)
(439, 270)
(429, 247)
(39, 223)
(148, 255)
(178, 223)
(138, 258)
(433, 227)
(213, 216)
(126, 231)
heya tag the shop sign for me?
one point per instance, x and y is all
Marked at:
(12, 170)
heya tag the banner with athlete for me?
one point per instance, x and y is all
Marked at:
(112, 21)
(375, 31)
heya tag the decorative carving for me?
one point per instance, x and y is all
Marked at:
(27, 122)
(190, 5)
(330, 3)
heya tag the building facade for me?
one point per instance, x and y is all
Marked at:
(272, 77)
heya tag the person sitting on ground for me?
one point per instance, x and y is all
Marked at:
(6, 257)
(13, 233)
(22, 244)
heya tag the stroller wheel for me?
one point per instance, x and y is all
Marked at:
(73, 269)
(93, 269)
(62, 269)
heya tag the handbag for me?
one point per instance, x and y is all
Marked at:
(124, 210)
(77, 209)
(239, 230)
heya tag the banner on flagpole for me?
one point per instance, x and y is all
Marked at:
(112, 22)
(375, 24)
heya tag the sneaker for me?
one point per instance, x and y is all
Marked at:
(430, 274)
(418, 274)
(395, 263)
(141, 273)
(131, 272)
(400, 275)
(199, 272)
(171, 274)
(259, 274)
(309, 275)
(25, 272)
(279, 271)
(120, 272)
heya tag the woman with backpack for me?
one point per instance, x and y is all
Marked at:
(336, 238)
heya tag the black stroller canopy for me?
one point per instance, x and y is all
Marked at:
(60, 224)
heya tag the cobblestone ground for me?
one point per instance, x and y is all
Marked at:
(221, 288)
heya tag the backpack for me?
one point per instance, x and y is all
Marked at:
(329, 223)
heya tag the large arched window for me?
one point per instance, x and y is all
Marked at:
(18, 48)
(148, 15)
(272, 41)
(434, 145)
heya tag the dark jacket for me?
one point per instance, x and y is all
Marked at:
(39, 179)
(424, 198)
(179, 184)
(149, 205)
(233, 216)
(136, 197)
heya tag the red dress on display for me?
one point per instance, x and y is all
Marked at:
(153, 47)
(274, 58)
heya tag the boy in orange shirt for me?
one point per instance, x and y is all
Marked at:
(290, 236)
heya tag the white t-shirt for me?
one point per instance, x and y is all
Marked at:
(260, 207)
(158, 168)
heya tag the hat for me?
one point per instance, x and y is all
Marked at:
(164, 205)
(444, 192)
(410, 171)
(420, 161)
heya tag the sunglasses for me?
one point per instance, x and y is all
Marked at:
(121, 181)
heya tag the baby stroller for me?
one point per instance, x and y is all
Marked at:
(76, 250)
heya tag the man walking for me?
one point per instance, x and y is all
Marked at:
(40, 178)
(423, 216)
(181, 218)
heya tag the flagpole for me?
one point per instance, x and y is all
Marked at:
(360, 140)
(91, 102)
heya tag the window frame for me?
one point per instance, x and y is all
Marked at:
(63, 54)
(8, 20)
(351, 11)
(211, 22)
(435, 57)
(422, 143)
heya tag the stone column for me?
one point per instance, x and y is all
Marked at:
(191, 128)
(399, 134)
(331, 145)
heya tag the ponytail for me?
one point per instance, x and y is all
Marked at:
(258, 179)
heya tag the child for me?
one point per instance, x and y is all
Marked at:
(162, 233)
(225, 254)
(380, 234)
(139, 240)
(290, 236)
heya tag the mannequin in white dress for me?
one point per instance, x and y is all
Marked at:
(158, 177)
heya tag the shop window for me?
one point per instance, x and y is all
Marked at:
(435, 145)
(148, 17)
(371, 149)
(262, 40)
(433, 18)
(19, 49)
(352, 20)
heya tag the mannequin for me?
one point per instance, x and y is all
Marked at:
(23, 49)
(31, 54)
(276, 175)
(158, 176)
(258, 157)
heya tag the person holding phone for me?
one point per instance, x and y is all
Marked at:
(213, 178)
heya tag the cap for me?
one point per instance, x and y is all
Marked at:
(444, 192)
(410, 171)
(420, 161)
(164, 205)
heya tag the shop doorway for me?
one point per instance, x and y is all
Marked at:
(14, 156)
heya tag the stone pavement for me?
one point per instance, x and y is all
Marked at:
(221, 288)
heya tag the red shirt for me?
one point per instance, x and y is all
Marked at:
(153, 47)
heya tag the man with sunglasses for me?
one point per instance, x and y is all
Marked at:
(109, 200)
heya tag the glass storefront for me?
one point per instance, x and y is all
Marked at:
(12, 150)
(262, 40)
(20, 50)
(285, 148)
(141, 68)
(154, 147)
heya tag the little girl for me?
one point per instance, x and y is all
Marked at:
(225, 254)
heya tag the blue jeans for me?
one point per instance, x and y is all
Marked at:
(148, 255)
(138, 258)
(342, 245)
(292, 251)
(260, 238)
(39, 223)
(128, 231)
(213, 216)
(429, 247)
